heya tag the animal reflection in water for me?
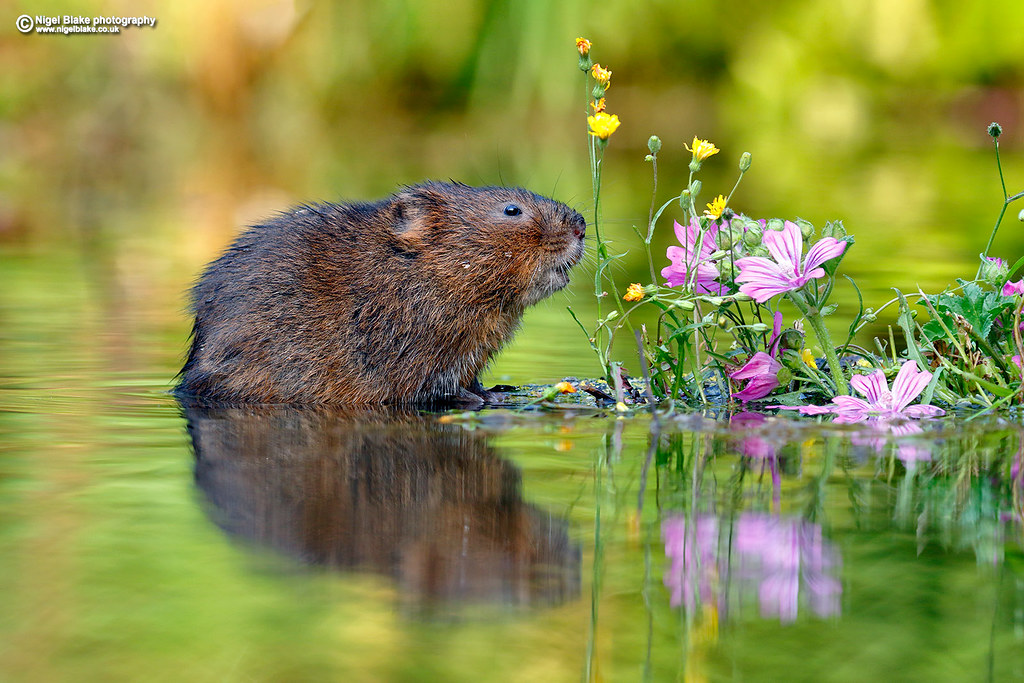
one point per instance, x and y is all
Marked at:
(391, 492)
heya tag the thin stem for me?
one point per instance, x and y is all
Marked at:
(650, 220)
(1002, 212)
(733, 190)
(824, 339)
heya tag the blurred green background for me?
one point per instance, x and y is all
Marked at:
(129, 161)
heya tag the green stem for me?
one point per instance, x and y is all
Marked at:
(650, 220)
(1007, 200)
(817, 323)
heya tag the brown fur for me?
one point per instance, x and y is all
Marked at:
(400, 301)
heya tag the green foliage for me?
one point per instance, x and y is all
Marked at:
(975, 306)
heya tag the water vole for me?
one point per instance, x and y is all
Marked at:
(403, 300)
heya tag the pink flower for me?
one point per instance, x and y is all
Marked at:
(763, 278)
(881, 404)
(687, 258)
(761, 369)
(1012, 288)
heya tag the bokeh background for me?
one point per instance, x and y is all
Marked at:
(129, 161)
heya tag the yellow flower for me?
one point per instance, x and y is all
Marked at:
(565, 388)
(603, 125)
(635, 292)
(808, 358)
(604, 76)
(598, 106)
(716, 207)
(583, 45)
(702, 149)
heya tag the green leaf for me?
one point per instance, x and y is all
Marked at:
(978, 307)
(933, 330)
(600, 271)
(657, 216)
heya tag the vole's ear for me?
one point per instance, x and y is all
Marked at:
(411, 212)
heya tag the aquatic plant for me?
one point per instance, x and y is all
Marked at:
(730, 272)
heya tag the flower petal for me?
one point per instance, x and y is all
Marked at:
(759, 387)
(764, 278)
(785, 246)
(806, 410)
(851, 408)
(908, 384)
(873, 386)
(825, 249)
(923, 411)
(762, 292)
(759, 364)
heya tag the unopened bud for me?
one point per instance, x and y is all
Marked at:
(806, 228)
(654, 144)
(723, 322)
(776, 224)
(994, 270)
(785, 376)
(745, 162)
(834, 229)
(759, 328)
(791, 339)
(1020, 216)
(994, 129)
(683, 304)
(752, 238)
(727, 269)
(649, 157)
(598, 91)
(695, 188)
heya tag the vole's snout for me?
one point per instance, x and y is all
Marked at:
(579, 226)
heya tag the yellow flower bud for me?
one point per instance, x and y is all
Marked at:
(702, 149)
(602, 125)
(635, 292)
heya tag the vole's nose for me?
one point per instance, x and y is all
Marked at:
(579, 226)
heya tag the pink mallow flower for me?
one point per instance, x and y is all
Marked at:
(763, 277)
(687, 258)
(762, 369)
(1012, 288)
(879, 403)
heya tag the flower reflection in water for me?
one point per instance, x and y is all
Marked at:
(774, 558)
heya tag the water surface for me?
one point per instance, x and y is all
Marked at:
(143, 539)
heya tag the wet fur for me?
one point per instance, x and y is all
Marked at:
(400, 301)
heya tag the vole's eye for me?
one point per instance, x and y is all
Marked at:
(512, 210)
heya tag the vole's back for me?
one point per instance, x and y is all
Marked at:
(404, 300)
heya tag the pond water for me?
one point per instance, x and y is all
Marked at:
(143, 539)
